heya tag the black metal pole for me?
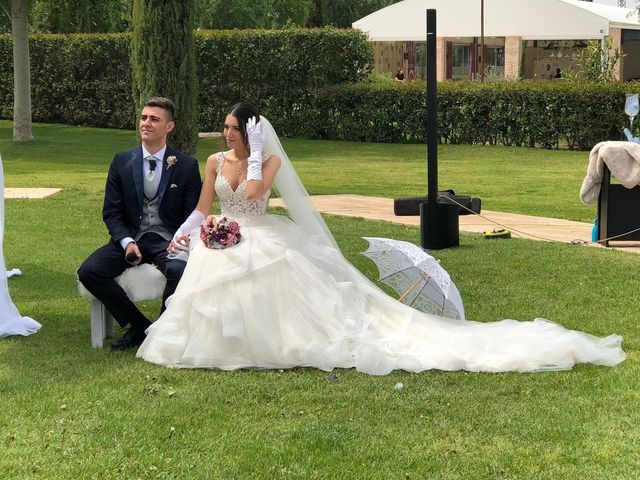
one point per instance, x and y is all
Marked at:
(432, 129)
(482, 59)
(438, 221)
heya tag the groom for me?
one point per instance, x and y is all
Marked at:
(151, 189)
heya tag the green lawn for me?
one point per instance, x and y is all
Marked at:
(68, 411)
(520, 180)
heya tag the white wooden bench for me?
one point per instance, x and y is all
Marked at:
(144, 282)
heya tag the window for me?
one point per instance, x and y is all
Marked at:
(495, 60)
(461, 64)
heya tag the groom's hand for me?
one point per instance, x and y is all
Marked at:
(132, 254)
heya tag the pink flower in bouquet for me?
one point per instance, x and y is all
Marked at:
(234, 227)
(220, 232)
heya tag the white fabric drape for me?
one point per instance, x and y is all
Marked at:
(622, 158)
(11, 322)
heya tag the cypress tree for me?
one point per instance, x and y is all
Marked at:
(163, 62)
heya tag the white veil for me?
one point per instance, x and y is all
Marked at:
(301, 210)
(293, 193)
(11, 322)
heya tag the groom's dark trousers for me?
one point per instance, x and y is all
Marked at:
(123, 211)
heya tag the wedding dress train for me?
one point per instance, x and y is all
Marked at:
(286, 297)
(11, 322)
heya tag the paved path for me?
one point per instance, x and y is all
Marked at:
(523, 226)
(29, 192)
(376, 208)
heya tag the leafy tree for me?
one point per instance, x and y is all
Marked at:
(282, 13)
(289, 12)
(18, 10)
(93, 16)
(223, 14)
(5, 20)
(342, 14)
(595, 64)
(163, 62)
(75, 16)
(80, 16)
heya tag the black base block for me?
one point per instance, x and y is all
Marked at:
(619, 213)
(403, 207)
(443, 233)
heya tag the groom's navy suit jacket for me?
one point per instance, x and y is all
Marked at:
(178, 191)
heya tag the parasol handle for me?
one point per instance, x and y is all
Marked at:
(412, 287)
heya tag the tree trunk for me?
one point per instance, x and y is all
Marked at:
(163, 63)
(21, 71)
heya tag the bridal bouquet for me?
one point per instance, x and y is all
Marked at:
(220, 232)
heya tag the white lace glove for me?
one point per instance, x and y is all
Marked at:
(193, 221)
(255, 136)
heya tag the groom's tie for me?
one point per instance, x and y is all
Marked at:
(150, 184)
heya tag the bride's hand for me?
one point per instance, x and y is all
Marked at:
(179, 242)
(255, 138)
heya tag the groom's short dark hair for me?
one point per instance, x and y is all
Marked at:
(163, 103)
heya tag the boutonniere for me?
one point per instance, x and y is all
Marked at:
(171, 161)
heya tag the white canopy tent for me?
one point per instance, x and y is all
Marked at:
(530, 35)
(528, 19)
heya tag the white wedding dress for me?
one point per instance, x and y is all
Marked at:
(11, 322)
(284, 297)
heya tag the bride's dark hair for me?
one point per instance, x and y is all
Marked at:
(243, 111)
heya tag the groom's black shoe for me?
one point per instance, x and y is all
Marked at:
(132, 338)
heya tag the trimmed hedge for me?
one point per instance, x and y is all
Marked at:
(75, 79)
(526, 113)
(279, 70)
(85, 79)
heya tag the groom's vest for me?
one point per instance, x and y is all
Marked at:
(151, 222)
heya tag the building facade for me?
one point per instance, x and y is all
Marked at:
(529, 39)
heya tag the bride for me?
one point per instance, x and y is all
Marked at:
(286, 297)
(11, 322)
